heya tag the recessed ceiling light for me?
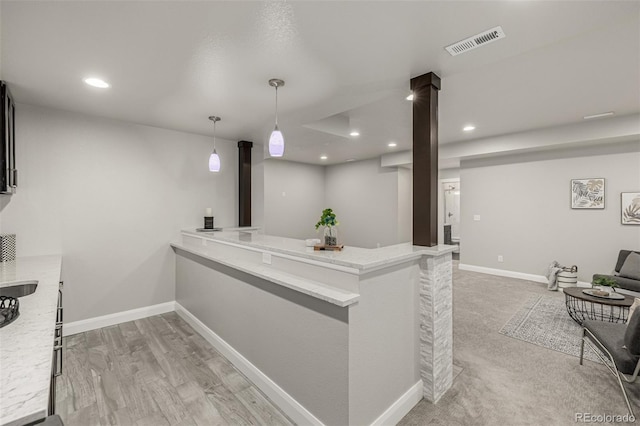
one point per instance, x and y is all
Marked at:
(392, 144)
(355, 133)
(469, 128)
(323, 157)
(350, 160)
(603, 114)
(96, 82)
(410, 97)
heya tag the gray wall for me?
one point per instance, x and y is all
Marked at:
(298, 341)
(365, 199)
(384, 341)
(294, 195)
(257, 186)
(449, 173)
(525, 212)
(373, 204)
(110, 196)
(405, 204)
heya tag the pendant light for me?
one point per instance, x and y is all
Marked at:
(276, 141)
(214, 159)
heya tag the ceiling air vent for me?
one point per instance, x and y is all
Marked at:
(477, 40)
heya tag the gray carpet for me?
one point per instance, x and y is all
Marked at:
(543, 321)
(507, 381)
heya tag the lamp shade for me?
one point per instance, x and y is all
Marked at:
(276, 143)
(214, 162)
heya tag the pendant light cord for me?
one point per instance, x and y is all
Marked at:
(276, 105)
(214, 135)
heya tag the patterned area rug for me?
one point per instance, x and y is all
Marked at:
(544, 321)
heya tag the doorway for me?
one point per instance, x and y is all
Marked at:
(451, 192)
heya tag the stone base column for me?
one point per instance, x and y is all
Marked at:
(436, 325)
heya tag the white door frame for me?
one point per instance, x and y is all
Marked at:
(441, 207)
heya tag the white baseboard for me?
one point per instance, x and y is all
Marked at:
(401, 407)
(502, 273)
(511, 274)
(282, 399)
(117, 318)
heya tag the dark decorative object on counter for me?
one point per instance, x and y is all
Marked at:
(9, 310)
(208, 222)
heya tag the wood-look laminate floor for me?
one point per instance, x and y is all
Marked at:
(155, 371)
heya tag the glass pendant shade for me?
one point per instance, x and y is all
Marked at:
(276, 140)
(214, 158)
(276, 143)
(214, 162)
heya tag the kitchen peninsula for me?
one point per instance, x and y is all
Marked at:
(351, 337)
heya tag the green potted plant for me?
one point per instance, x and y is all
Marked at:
(329, 221)
(603, 282)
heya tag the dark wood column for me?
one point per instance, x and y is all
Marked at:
(425, 159)
(244, 178)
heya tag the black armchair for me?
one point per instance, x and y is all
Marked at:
(621, 343)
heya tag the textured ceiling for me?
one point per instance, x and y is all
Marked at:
(172, 64)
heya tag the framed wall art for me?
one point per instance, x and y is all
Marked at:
(630, 208)
(587, 193)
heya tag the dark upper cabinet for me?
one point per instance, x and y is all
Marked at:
(8, 172)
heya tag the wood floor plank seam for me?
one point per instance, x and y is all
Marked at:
(156, 371)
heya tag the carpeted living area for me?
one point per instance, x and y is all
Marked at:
(507, 381)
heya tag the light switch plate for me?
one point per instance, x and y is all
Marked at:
(476, 217)
(266, 258)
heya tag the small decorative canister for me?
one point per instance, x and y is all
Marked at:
(7, 247)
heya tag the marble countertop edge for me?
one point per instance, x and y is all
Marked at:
(364, 260)
(312, 288)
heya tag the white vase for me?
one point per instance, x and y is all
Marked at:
(604, 288)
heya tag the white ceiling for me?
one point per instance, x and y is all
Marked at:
(172, 64)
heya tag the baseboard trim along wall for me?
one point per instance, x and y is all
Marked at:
(401, 407)
(117, 318)
(511, 274)
(282, 399)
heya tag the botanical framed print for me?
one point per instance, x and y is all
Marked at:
(587, 193)
(630, 208)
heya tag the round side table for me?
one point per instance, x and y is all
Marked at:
(581, 306)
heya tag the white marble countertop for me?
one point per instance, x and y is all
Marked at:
(362, 259)
(312, 288)
(26, 345)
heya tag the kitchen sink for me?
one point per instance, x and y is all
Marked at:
(19, 290)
